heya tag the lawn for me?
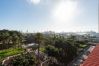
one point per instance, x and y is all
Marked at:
(9, 52)
(82, 46)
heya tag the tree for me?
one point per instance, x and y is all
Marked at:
(38, 40)
(62, 50)
(10, 38)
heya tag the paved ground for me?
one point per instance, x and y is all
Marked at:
(93, 58)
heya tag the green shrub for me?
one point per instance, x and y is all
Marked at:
(24, 60)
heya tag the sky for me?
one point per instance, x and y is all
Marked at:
(49, 15)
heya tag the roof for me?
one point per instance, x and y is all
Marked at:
(93, 58)
(29, 45)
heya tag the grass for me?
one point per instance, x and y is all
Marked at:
(82, 46)
(9, 52)
(42, 49)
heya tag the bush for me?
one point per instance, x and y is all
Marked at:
(1, 64)
(24, 60)
(51, 51)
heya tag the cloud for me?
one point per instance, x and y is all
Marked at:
(34, 1)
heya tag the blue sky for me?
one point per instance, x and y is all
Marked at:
(49, 15)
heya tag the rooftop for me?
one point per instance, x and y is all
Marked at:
(93, 58)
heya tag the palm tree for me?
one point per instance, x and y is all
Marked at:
(38, 40)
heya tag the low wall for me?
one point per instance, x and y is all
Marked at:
(7, 61)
